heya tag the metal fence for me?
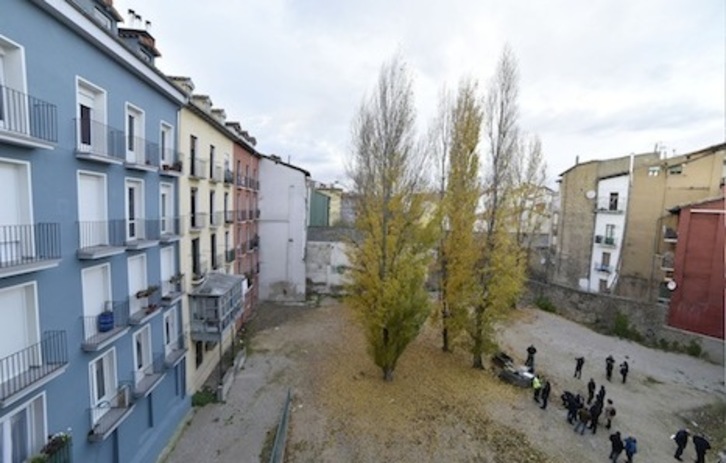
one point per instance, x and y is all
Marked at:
(278, 448)
(25, 244)
(27, 366)
(28, 116)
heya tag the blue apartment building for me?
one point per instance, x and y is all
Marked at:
(91, 342)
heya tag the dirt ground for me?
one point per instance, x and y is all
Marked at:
(438, 408)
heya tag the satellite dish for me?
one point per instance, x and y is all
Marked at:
(671, 285)
(590, 194)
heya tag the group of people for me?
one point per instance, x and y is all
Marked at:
(585, 413)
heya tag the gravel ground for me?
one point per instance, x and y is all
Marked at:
(438, 408)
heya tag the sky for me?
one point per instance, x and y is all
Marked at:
(598, 79)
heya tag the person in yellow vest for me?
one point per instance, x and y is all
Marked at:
(537, 386)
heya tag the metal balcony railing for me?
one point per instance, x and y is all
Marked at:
(605, 240)
(229, 216)
(170, 228)
(97, 141)
(28, 367)
(241, 215)
(228, 176)
(216, 173)
(216, 218)
(29, 244)
(98, 329)
(100, 235)
(172, 288)
(174, 349)
(603, 267)
(27, 117)
(147, 302)
(140, 230)
(109, 414)
(670, 235)
(170, 161)
(141, 153)
(198, 168)
(198, 220)
(241, 181)
(149, 376)
(200, 267)
(230, 255)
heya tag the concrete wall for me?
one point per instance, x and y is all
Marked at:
(600, 310)
(283, 229)
(326, 259)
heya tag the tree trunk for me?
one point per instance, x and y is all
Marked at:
(477, 362)
(387, 374)
(445, 337)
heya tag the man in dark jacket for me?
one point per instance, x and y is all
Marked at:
(616, 446)
(609, 364)
(531, 350)
(595, 412)
(624, 369)
(579, 361)
(681, 439)
(544, 395)
(702, 446)
(590, 390)
(601, 395)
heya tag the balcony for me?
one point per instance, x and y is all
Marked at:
(174, 350)
(216, 219)
(198, 221)
(216, 174)
(241, 215)
(149, 305)
(147, 378)
(141, 234)
(228, 177)
(241, 181)
(170, 229)
(605, 268)
(605, 240)
(32, 367)
(29, 248)
(257, 213)
(217, 261)
(99, 239)
(253, 184)
(141, 154)
(256, 242)
(98, 142)
(229, 255)
(229, 217)
(172, 290)
(670, 235)
(198, 168)
(200, 267)
(606, 206)
(109, 414)
(101, 330)
(27, 121)
(668, 262)
(214, 306)
(242, 248)
(171, 163)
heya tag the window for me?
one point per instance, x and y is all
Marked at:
(196, 258)
(653, 171)
(91, 118)
(102, 374)
(609, 231)
(22, 431)
(196, 222)
(166, 208)
(675, 170)
(134, 210)
(16, 237)
(213, 244)
(13, 108)
(166, 143)
(19, 330)
(603, 286)
(168, 269)
(102, 19)
(171, 333)
(96, 285)
(194, 169)
(135, 149)
(198, 353)
(142, 353)
(211, 161)
(92, 210)
(613, 204)
(605, 259)
(137, 282)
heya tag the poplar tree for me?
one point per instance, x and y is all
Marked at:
(390, 255)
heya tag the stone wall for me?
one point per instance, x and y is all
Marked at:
(600, 311)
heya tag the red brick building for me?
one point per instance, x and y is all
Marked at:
(697, 300)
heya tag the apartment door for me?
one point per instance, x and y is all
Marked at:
(134, 211)
(18, 329)
(167, 268)
(16, 237)
(166, 207)
(96, 284)
(137, 281)
(92, 210)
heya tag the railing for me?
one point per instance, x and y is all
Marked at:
(27, 116)
(198, 220)
(107, 415)
(670, 235)
(605, 240)
(603, 268)
(217, 261)
(99, 140)
(147, 377)
(170, 226)
(198, 168)
(228, 176)
(241, 181)
(217, 173)
(170, 160)
(230, 255)
(101, 233)
(253, 183)
(217, 218)
(612, 207)
(257, 213)
(27, 366)
(278, 448)
(140, 152)
(199, 269)
(241, 215)
(148, 303)
(174, 349)
(172, 286)
(142, 229)
(27, 244)
(97, 328)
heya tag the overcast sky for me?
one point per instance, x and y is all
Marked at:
(599, 78)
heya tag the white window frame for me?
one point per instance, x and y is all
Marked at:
(136, 304)
(32, 336)
(13, 76)
(171, 331)
(103, 177)
(138, 223)
(166, 133)
(26, 211)
(143, 336)
(37, 432)
(110, 379)
(137, 153)
(100, 113)
(167, 219)
(166, 286)
(94, 312)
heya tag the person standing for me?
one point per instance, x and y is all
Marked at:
(609, 364)
(595, 412)
(573, 405)
(609, 414)
(681, 439)
(545, 394)
(601, 394)
(616, 446)
(591, 386)
(537, 386)
(631, 447)
(583, 415)
(624, 368)
(702, 446)
(579, 362)
(531, 350)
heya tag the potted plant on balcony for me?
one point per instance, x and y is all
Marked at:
(105, 318)
(57, 449)
(146, 292)
(150, 308)
(176, 278)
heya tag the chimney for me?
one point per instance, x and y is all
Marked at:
(577, 159)
(203, 102)
(139, 40)
(184, 84)
(219, 114)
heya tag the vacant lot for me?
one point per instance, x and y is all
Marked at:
(438, 408)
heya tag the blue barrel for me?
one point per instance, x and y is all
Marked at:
(105, 321)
